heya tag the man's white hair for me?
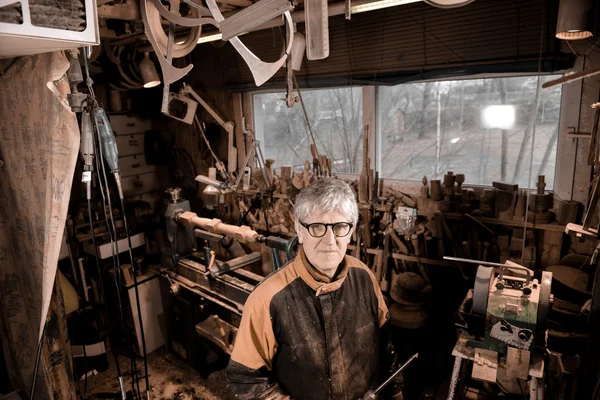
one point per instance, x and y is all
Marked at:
(323, 196)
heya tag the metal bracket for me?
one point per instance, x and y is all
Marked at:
(261, 71)
(227, 125)
(170, 73)
(573, 134)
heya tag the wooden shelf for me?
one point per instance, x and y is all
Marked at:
(494, 221)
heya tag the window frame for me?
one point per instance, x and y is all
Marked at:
(568, 166)
(249, 99)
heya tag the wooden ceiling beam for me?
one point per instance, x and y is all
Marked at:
(129, 11)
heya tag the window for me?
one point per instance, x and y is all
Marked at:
(479, 127)
(335, 116)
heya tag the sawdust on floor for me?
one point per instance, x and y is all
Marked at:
(170, 379)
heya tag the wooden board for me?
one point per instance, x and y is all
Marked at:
(239, 131)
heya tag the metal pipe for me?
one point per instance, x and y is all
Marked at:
(236, 263)
(402, 368)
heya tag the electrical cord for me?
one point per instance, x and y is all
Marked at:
(103, 292)
(118, 277)
(502, 388)
(107, 140)
(137, 297)
(85, 372)
(116, 267)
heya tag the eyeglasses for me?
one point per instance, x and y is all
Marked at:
(318, 229)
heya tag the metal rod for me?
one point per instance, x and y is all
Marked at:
(567, 78)
(388, 380)
(454, 379)
(113, 340)
(236, 263)
(37, 365)
(468, 260)
(491, 264)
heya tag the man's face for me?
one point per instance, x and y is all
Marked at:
(326, 252)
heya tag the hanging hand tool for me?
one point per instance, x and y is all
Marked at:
(109, 145)
(372, 394)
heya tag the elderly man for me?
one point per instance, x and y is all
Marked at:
(312, 329)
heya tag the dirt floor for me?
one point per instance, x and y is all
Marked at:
(170, 379)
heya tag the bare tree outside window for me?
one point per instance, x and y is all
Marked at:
(479, 127)
(336, 118)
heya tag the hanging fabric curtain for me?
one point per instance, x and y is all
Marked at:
(39, 140)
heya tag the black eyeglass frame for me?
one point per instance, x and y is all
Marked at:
(307, 226)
